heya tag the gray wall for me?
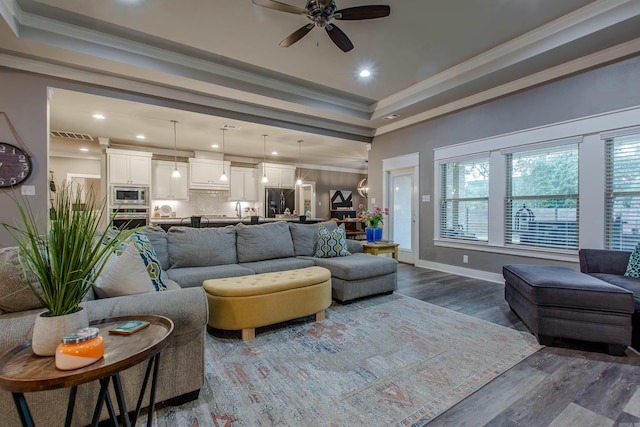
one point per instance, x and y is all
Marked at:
(604, 89)
(24, 98)
(331, 180)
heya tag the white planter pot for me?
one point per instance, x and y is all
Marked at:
(48, 331)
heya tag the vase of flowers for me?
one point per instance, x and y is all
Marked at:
(64, 253)
(373, 221)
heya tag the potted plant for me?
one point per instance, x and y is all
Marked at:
(64, 254)
(372, 221)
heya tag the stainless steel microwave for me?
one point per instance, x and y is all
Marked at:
(130, 195)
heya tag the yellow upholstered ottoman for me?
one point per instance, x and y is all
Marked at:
(247, 302)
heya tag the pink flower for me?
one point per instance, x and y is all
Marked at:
(360, 206)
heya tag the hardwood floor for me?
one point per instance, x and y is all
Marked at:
(571, 384)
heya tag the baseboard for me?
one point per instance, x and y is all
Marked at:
(461, 271)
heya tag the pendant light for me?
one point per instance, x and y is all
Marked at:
(299, 180)
(264, 159)
(223, 177)
(363, 187)
(176, 172)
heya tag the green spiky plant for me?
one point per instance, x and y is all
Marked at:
(67, 252)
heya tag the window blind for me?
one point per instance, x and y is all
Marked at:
(622, 198)
(464, 199)
(542, 197)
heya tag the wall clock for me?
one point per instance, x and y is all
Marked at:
(15, 165)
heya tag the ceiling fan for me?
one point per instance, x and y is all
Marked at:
(321, 13)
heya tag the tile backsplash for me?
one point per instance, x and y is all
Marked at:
(205, 202)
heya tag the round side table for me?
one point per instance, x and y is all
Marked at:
(22, 372)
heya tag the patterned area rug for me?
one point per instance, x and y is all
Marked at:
(386, 361)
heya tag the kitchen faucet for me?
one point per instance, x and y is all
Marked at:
(239, 210)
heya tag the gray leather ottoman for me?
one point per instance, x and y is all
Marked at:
(557, 302)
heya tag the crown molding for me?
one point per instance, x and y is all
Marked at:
(181, 61)
(599, 58)
(196, 100)
(586, 20)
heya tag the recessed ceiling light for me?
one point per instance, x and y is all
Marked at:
(214, 146)
(84, 149)
(391, 116)
(98, 116)
(365, 73)
(141, 136)
(274, 153)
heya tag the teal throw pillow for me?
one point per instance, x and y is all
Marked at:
(633, 267)
(132, 269)
(331, 243)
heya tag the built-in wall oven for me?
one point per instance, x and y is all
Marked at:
(130, 217)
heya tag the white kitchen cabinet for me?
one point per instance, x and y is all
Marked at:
(205, 174)
(166, 187)
(243, 185)
(129, 167)
(279, 176)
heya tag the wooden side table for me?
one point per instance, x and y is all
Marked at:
(22, 372)
(381, 248)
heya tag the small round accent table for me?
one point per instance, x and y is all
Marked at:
(22, 372)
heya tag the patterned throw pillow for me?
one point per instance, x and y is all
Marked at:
(331, 243)
(633, 267)
(133, 269)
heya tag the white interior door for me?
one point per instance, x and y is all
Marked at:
(402, 213)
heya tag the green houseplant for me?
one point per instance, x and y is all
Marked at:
(64, 253)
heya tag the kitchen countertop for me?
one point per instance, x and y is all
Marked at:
(228, 220)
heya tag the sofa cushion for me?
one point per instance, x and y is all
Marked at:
(201, 247)
(265, 241)
(629, 283)
(279, 264)
(555, 286)
(133, 269)
(357, 266)
(190, 277)
(633, 267)
(331, 243)
(305, 236)
(158, 238)
(15, 293)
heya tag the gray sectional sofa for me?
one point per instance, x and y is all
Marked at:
(192, 255)
(610, 266)
(180, 378)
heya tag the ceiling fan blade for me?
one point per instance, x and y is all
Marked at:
(363, 12)
(339, 38)
(294, 37)
(282, 7)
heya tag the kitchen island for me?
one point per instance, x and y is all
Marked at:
(217, 221)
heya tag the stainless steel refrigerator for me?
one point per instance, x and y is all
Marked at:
(277, 200)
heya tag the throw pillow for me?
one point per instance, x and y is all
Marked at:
(633, 267)
(331, 243)
(305, 236)
(15, 293)
(133, 269)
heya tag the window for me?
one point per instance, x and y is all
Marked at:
(464, 199)
(542, 197)
(622, 201)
